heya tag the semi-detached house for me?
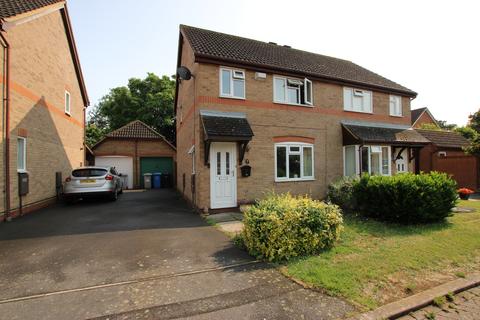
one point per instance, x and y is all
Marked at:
(253, 117)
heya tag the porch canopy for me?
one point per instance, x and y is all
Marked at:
(225, 127)
(399, 137)
(363, 133)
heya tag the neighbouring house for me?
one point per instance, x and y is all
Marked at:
(423, 116)
(136, 149)
(445, 153)
(253, 117)
(44, 100)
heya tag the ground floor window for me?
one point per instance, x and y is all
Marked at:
(21, 154)
(293, 161)
(367, 159)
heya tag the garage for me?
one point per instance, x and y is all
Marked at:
(163, 165)
(124, 166)
(135, 149)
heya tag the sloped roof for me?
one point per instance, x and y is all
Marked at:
(226, 125)
(10, 8)
(380, 133)
(416, 113)
(135, 130)
(218, 46)
(443, 138)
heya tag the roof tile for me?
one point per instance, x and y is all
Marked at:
(216, 45)
(10, 8)
(446, 139)
(135, 130)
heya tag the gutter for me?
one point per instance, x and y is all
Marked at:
(6, 106)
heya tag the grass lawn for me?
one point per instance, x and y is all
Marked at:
(375, 263)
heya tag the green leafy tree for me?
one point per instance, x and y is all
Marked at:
(93, 134)
(474, 121)
(446, 126)
(430, 126)
(149, 100)
(467, 132)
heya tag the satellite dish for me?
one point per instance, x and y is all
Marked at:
(184, 73)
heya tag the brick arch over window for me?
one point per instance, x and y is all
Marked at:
(293, 139)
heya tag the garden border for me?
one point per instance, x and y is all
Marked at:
(417, 301)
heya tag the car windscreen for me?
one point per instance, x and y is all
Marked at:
(80, 173)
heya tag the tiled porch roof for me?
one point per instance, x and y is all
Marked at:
(356, 132)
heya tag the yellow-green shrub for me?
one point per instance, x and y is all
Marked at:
(281, 227)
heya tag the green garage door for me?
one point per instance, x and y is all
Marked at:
(155, 164)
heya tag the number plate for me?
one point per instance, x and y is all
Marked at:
(87, 181)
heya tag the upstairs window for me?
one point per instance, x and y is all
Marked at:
(232, 83)
(67, 102)
(292, 91)
(357, 100)
(395, 106)
(293, 161)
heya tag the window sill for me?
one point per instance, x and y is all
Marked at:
(294, 104)
(295, 180)
(22, 171)
(231, 97)
(68, 113)
(355, 111)
(396, 115)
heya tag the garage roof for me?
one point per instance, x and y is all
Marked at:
(135, 130)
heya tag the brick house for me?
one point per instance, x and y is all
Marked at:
(423, 116)
(135, 149)
(253, 117)
(44, 101)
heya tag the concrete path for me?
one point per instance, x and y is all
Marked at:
(146, 256)
(465, 305)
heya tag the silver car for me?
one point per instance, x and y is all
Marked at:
(93, 181)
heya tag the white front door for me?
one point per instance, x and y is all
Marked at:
(223, 176)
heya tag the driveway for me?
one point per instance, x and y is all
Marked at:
(146, 256)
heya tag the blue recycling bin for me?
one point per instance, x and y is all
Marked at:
(157, 179)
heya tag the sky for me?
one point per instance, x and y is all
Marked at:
(431, 47)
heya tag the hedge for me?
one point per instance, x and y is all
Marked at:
(404, 198)
(281, 227)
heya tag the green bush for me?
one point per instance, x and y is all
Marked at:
(406, 198)
(281, 227)
(341, 193)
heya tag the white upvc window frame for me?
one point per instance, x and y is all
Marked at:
(235, 75)
(348, 105)
(306, 97)
(288, 145)
(357, 163)
(68, 103)
(393, 112)
(358, 166)
(24, 160)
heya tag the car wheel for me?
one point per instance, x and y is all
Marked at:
(114, 195)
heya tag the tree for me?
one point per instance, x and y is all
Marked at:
(474, 121)
(467, 132)
(430, 126)
(446, 126)
(93, 134)
(149, 100)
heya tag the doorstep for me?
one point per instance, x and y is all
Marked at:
(227, 222)
(417, 301)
